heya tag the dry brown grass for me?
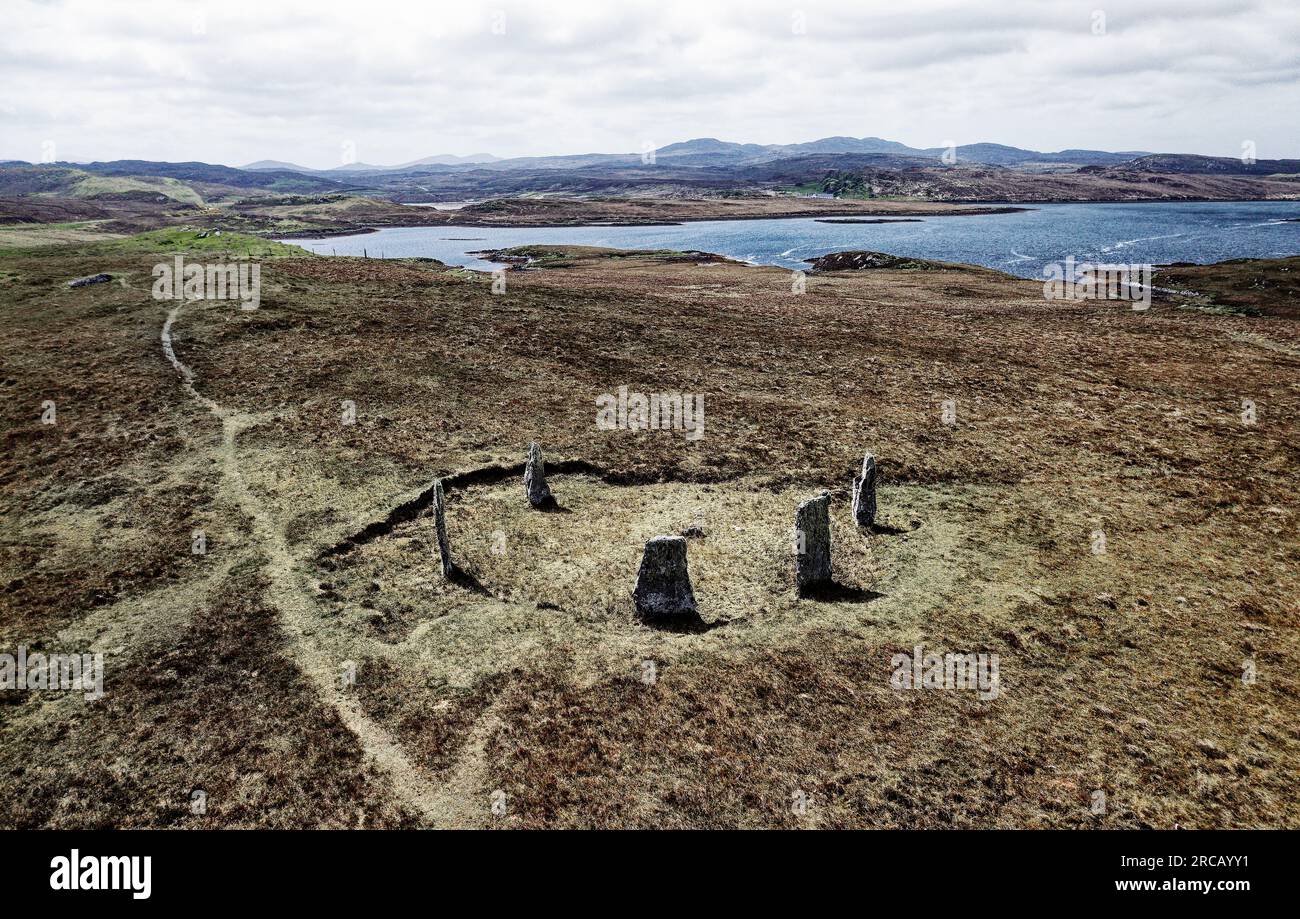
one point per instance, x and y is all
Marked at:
(1120, 671)
(213, 705)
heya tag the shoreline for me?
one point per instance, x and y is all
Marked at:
(819, 216)
(814, 214)
(509, 259)
(904, 212)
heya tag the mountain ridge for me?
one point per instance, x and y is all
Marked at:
(710, 151)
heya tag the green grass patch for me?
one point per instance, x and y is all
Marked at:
(98, 186)
(176, 240)
(838, 184)
(1218, 309)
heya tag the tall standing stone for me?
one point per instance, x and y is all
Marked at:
(539, 493)
(663, 586)
(440, 524)
(864, 493)
(812, 560)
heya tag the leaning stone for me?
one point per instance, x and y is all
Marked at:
(100, 278)
(440, 524)
(812, 560)
(539, 493)
(663, 586)
(864, 493)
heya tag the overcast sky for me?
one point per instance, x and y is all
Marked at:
(235, 81)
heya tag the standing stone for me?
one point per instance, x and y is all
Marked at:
(440, 523)
(864, 493)
(812, 560)
(663, 586)
(539, 493)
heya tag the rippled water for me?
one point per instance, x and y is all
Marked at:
(1020, 243)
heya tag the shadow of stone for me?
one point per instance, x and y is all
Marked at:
(551, 506)
(884, 529)
(462, 578)
(685, 625)
(835, 592)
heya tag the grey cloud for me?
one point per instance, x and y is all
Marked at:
(250, 80)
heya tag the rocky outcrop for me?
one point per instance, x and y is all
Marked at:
(858, 261)
(100, 278)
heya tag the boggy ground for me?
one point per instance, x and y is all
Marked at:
(1101, 515)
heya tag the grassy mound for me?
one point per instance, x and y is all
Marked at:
(861, 260)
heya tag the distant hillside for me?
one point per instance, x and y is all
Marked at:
(449, 159)
(705, 162)
(442, 159)
(1191, 164)
(710, 151)
(841, 167)
(847, 145)
(704, 152)
(64, 181)
(796, 170)
(274, 164)
(273, 180)
(1002, 155)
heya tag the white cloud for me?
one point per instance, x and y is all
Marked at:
(239, 80)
